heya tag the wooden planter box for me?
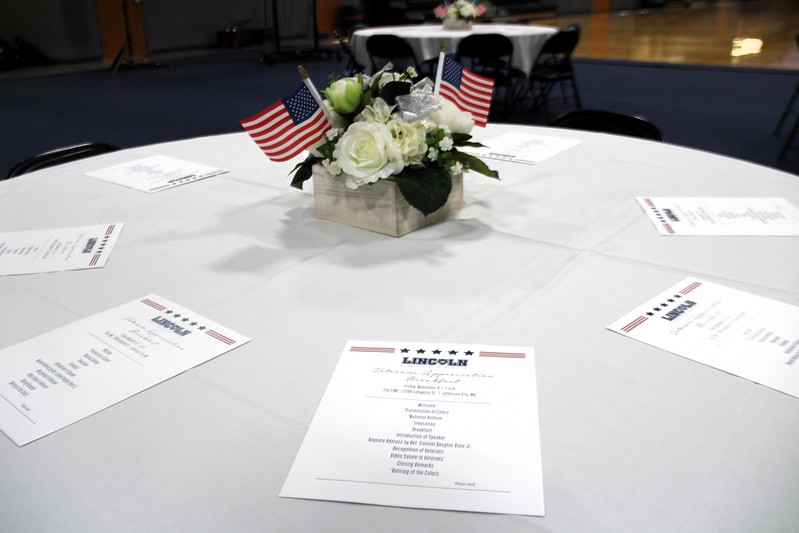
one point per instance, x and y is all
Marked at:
(457, 24)
(379, 207)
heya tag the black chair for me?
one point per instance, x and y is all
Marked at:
(353, 67)
(490, 55)
(383, 49)
(609, 122)
(553, 67)
(59, 156)
(789, 109)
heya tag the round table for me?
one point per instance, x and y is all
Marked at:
(633, 438)
(426, 40)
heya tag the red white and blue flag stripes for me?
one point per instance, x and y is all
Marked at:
(289, 126)
(468, 91)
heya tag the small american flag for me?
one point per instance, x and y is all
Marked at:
(289, 126)
(467, 90)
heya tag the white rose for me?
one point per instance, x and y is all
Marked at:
(467, 11)
(451, 117)
(367, 153)
(409, 138)
(377, 111)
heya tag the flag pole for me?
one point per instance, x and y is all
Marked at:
(316, 96)
(440, 68)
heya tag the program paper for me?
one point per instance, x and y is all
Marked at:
(434, 426)
(523, 148)
(155, 173)
(53, 380)
(722, 216)
(747, 335)
(52, 250)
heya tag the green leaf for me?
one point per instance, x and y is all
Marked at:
(392, 89)
(426, 189)
(303, 172)
(465, 143)
(476, 164)
(462, 139)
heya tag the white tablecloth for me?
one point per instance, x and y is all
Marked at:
(633, 438)
(426, 40)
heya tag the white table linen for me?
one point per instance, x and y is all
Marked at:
(425, 40)
(633, 438)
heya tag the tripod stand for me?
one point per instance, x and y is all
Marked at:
(127, 47)
(314, 53)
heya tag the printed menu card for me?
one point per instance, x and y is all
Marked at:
(747, 335)
(722, 216)
(53, 380)
(51, 250)
(522, 147)
(434, 426)
(155, 173)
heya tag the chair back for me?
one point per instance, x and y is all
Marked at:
(487, 54)
(390, 48)
(557, 50)
(609, 122)
(59, 156)
(484, 47)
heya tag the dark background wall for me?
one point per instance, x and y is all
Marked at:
(70, 30)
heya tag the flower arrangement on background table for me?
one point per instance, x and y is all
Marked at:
(462, 11)
(385, 127)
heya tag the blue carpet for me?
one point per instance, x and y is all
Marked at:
(727, 111)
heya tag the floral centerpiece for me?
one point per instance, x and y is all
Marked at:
(388, 128)
(459, 13)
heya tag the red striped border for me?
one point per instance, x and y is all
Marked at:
(218, 336)
(691, 287)
(154, 305)
(375, 349)
(509, 355)
(634, 324)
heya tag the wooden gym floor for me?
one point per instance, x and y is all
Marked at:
(733, 33)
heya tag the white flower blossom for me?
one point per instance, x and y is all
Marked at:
(456, 168)
(377, 111)
(432, 154)
(387, 77)
(467, 10)
(332, 167)
(367, 153)
(332, 133)
(446, 144)
(452, 118)
(409, 138)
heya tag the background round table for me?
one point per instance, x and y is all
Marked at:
(425, 40)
